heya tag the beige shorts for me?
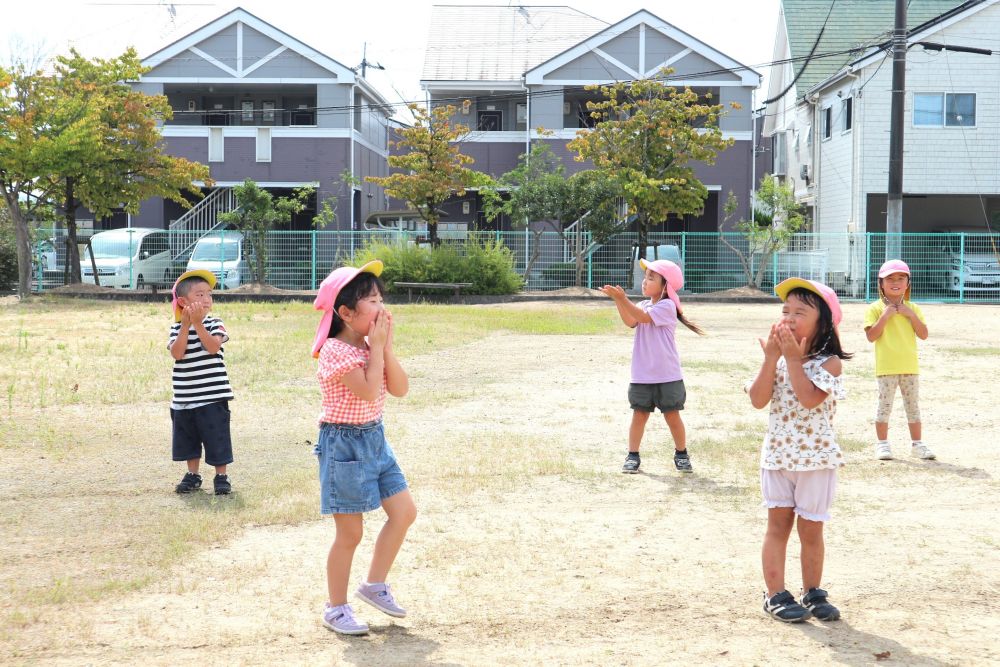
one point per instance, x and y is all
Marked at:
(909, 387)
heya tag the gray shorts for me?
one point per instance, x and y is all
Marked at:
(667, 396)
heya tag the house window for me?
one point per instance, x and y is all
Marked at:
(944, 109)
(216, 145)
(779, 154)
(263, 144)
(267, 111)
(827, 122)
(847, 113)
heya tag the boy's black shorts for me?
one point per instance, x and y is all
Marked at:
(667, 396)
(208, 424)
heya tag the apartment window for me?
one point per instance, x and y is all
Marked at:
(944, 109)
(847, 113)
(827, 122)
(216, 145)
(779, 154)
(263, 144)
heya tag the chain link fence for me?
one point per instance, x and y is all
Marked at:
(962, 268)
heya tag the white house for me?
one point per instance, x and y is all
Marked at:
(831, 127)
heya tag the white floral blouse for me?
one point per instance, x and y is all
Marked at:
(798, 438)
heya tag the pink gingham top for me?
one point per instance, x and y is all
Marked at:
(340, 404)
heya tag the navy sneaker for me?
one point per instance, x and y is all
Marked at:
(682, 462)
(631, 463)
(222, 485)
(783, 607)
(817, 604)
(190, 483)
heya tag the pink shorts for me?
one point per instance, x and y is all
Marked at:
(809, 492)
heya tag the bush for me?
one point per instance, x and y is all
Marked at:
(488, 265)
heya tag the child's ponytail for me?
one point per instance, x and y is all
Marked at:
(689, 324)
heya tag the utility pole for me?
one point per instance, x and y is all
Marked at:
(894, 202)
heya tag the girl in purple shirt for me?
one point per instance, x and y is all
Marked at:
(657, 381)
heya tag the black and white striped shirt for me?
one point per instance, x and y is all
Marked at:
(200, 377)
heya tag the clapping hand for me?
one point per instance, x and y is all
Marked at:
(392, 330)
(614, 291)
(791, 348)
(771, 345)
(378, 331)
(196, 312)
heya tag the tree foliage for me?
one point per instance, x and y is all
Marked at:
(257, 212)
(538, 191)
(432, 169)
(777, 217)
(648, 138)
(81, 136)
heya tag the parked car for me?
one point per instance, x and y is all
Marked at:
(129, 258)
(223, 254)
(970, 259)
(45, 255)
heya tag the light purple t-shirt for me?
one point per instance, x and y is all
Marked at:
(654, 352)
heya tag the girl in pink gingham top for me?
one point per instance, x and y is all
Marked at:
(358, 470)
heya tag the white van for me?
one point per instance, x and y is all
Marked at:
(222, 253)
(971, 262)
(129, 258)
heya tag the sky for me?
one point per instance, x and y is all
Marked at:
(395, 32)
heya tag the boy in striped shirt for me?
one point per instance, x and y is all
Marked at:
(200, 406)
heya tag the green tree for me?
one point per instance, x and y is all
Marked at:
(82, 136)
(648, 138)
(432, 169)
(537, 190)
(257, 212)
(777, 217)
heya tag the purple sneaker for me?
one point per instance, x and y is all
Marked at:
(380, 597)
(341, 619)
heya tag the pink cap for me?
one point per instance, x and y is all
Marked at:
(826, 293)
(327, 296)
(204, 274)
(671, 274)
(893, 266)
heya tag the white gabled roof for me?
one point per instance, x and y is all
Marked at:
(189, 42)
(593, 42)
(475, 43)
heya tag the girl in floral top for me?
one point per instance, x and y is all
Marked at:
(358, 471)
(801, 379)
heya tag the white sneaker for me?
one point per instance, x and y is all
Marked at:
(882, 451)
(922, 451)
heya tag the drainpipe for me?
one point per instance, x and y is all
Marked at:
(527, 120)
(817, 140)
(350, 167)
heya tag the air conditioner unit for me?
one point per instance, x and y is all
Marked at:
(804, 172)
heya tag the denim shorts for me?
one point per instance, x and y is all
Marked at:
(357, 469)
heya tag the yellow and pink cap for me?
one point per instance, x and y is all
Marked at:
(204, 274)
(894, 266)
(326, 296)
(824, 292)
(672, 275)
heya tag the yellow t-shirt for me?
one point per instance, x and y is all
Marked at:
(896, 348)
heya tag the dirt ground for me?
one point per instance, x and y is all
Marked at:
(531, 547)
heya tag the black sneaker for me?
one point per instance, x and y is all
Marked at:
(817, 604)
(783, 607)
(631, 464)
(682, 462)
(190, 483)
(222, 485)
